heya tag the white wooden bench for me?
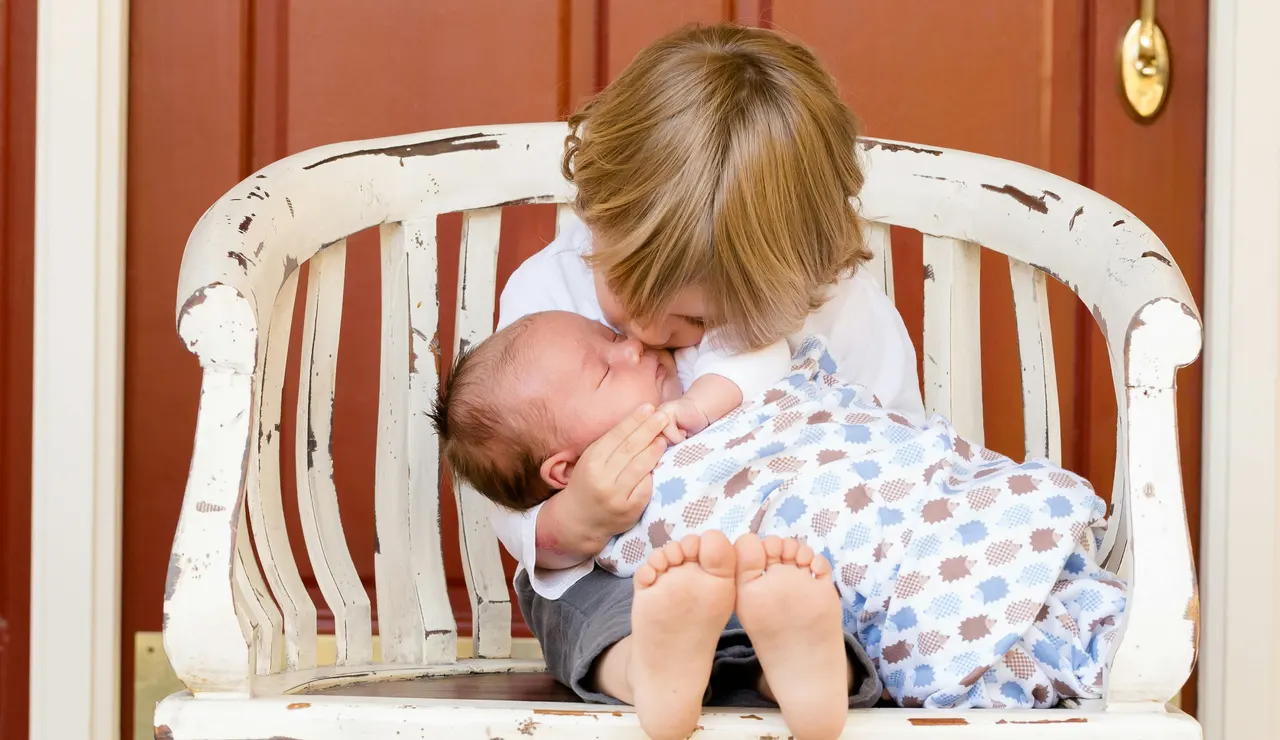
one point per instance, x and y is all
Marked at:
(239, 626)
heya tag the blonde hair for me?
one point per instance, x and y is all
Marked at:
(721, 156)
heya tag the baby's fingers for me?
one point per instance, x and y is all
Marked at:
(673, 434)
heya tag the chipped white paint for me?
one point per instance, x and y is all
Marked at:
(416, 242)
(952, 334)
(1041, 423)
(881, 264)
(334, 717)
(414, 616)
(317, 496)
(284, 214)
(202, 635)
(260, 618)
(1158, 646)
(266, 504)
(481, 562)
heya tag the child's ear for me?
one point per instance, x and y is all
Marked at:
(557, 469)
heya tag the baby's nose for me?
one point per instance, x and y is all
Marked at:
(630, 351)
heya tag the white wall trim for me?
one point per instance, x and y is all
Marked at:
(1240, 561)
(77, 399)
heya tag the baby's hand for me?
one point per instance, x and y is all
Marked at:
(686, 419)
(612, 481)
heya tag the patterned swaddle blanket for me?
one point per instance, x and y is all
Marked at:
(970, 579)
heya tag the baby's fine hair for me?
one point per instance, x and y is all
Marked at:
(721, 156)
(489, 440)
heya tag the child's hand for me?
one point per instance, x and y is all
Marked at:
(611, 483)
(686, 419)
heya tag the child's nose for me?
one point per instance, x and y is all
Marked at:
(651, 335)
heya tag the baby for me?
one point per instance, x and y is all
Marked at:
(524, 404)
(969, 578)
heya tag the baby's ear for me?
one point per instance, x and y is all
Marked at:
(557, 469)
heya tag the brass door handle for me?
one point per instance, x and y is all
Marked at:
(1144, 65)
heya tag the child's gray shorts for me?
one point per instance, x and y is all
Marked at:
(595, 613)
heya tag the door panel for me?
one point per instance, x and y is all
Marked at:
(17, 230)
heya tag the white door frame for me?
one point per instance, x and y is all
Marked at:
(82, 65)
(1240, 561)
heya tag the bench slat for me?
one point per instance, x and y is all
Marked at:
(259, 615)
(317, 495)
(415, 620)
(952, 337)
(1041, 423)
(881, 264)
(266, 508)
(481, 561)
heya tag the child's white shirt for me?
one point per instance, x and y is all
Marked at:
(864, 332)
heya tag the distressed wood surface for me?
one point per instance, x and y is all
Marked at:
(333, 717)
(202, 636)
(414, 618)
(245, 250)
(266, 505)
(416, 242)
(317, 495)
(881, 265)
(952, 333)
(1158, 646)
(481, 561)
(260, 617)
(1041, 419)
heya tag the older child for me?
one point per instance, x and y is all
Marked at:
(714, 182)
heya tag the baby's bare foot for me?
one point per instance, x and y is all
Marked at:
(683, 599)
(791, 611)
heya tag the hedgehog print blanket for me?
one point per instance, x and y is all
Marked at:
(970, 579)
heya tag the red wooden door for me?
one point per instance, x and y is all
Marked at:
(17, 224)
(220, 89)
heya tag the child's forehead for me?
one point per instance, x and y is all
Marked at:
(691, 300)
